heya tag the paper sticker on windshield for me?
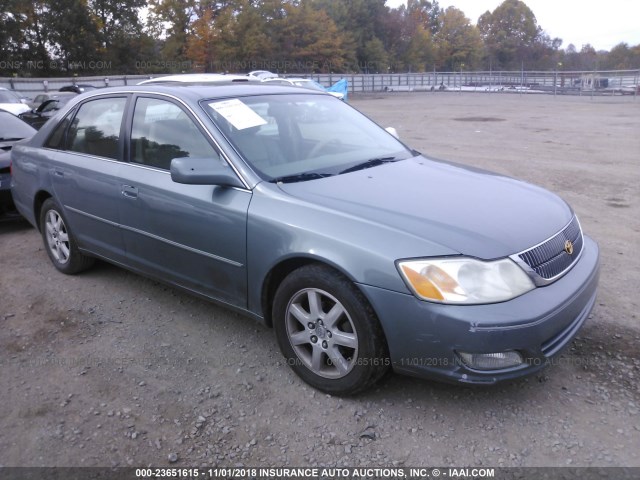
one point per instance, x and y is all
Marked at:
(238, 114)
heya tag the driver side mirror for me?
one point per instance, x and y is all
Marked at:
(203, 171)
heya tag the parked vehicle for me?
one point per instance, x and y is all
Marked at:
(630, 90)
(43, 97)
(292, 207)
(40, 99)
(12, 130)
(304, 83)
(11, 102)
(262, 74)
(38, 116)
(81, 88)
(200, 79)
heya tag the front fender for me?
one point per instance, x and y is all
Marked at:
(282, 227)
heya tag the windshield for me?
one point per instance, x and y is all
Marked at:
(290, 135)
(7, 96)
(13, 128)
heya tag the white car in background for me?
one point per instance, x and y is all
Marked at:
(262, 74)
(302, 82)
(630, 90)
(200, 78)
(11, 102)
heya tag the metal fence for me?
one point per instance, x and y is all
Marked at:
(557, 82)
(617, 82)
(33, 86)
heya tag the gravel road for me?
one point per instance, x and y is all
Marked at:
(110, 369)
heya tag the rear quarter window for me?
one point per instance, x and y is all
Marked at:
(57, 139)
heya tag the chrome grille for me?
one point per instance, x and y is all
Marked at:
(549, 259)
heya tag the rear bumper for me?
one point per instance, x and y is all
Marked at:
(424, 337)
(6, 201)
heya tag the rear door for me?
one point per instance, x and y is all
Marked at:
(84, 170)
(191, 235)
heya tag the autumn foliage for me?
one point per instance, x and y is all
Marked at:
(62, 37)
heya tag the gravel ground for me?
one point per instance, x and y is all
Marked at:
(110, 369)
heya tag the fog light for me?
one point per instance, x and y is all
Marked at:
(491, 361)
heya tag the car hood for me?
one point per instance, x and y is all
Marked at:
(471, 211)
(15, 108)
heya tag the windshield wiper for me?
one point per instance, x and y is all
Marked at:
(300, 177)
(10, 139)
(373, 162)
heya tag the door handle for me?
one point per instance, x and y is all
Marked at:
(129, 191)
(58, 172)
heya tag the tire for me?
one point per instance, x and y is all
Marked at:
(328, 332)
(59, 242)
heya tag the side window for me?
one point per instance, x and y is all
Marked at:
(95, 129)
(57, 138)
(162, 131)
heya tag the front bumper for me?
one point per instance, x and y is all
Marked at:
(423, 337)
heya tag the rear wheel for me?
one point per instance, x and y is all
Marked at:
(328, 332)
(59, 241)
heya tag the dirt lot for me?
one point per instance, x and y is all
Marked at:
(108, 368)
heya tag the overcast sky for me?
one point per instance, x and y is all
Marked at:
(602, 24)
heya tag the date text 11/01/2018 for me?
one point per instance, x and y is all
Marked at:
(312, 472)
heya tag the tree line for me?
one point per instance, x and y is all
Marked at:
(93, 37)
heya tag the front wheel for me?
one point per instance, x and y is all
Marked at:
(59, 241)
(328, 332)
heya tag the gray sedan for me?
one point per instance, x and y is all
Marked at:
(12, 130)
(295, 209)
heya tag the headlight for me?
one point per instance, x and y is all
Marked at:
(465, 280)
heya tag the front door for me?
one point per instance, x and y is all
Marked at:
(192, 235)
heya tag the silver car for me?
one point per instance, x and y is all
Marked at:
(295, 209)
(302, 82)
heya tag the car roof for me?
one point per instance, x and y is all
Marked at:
(60, 94)
(199, 78)
(17, 118)
(194, 93)
(78, 85)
